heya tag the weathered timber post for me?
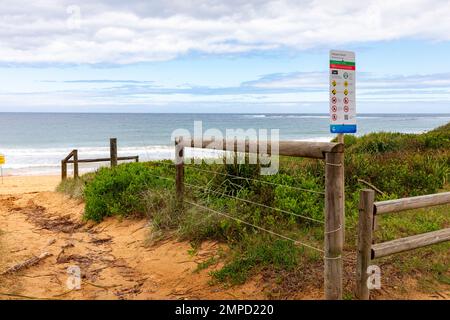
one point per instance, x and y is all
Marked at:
(179, 165)
(63, 170)
(75, 164)
(365, 226)
(334, 224)
(113, 151)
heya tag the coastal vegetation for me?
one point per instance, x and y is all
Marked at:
(395, 164)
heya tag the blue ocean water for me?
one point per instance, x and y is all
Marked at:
(34, 143)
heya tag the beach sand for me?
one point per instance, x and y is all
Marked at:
(26, 184)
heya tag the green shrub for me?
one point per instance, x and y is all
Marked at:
(383, 142)
(121, 190)
(376, 143)
(400, 174)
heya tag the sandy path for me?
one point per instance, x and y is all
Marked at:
(114, 259)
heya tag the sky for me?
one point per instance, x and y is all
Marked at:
(221, 56)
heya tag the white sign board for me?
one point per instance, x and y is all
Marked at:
(342, 92)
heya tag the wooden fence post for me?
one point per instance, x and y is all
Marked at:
(334, 224)
(75, 164)
(63, 170)
(365, 226)
(113, 151)
(179, 165)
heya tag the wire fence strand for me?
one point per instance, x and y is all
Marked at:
(157, 176)
(244, 200)
(248, 179)
(258, 180)
(256, 203)
(256, 227)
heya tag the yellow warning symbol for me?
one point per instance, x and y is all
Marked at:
(346, 83)
(334, 83)
(346, 92)
(2, 159)
(333, 91)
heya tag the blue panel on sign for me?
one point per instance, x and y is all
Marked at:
(343, 128)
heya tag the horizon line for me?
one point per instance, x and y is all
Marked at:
(249, 113)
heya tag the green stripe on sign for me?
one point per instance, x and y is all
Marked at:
(344, 63)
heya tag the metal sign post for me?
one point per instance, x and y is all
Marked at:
(342, 93)
(342, 102)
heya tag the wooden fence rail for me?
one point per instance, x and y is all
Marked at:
(72, 158)
(409, 243)
(333, 154)
(316, 150)
(367, 251)
(399, 205)
(136, 158)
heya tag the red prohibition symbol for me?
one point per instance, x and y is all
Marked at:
(334, 108)
(334, 117)
(334, 100)
(346, 100)
(345, 108)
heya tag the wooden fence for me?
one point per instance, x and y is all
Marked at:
(333, 156)
(368, 212)
(72, 157)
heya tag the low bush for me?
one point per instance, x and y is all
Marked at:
(121, 190)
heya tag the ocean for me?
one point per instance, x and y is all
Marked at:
(35, 143)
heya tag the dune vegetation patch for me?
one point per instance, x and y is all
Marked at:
(396, 165)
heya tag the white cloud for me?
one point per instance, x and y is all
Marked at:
(366, 81)
(279, 88)
(134, 31)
